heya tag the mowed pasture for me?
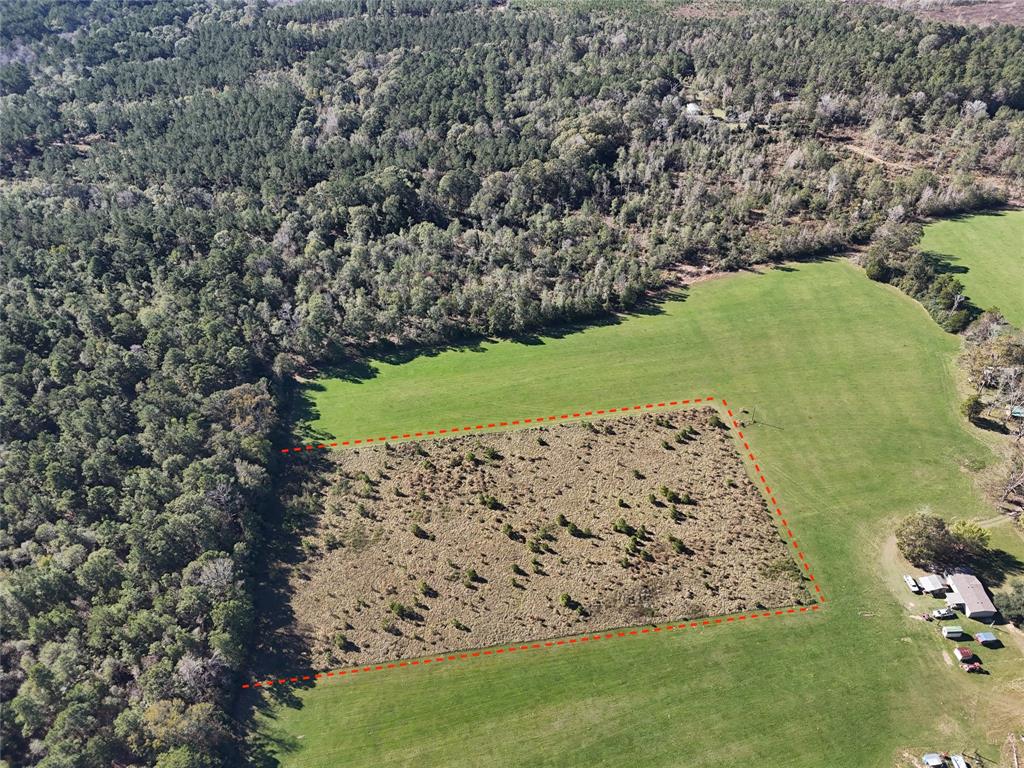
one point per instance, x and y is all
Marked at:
(851, 390)
(989, 248)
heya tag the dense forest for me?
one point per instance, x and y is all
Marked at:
(199, 199)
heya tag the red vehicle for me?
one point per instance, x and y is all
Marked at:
(972, 667)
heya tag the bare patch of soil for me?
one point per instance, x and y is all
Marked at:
(710, 9)
(979, 13)
(687, 275)
(475, 541)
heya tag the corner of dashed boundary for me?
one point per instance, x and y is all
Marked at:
(749, 457)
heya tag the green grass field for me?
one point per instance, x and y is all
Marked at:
(991, 248)
(857, 425)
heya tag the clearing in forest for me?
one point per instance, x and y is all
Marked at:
(986, 253)
(474, 541)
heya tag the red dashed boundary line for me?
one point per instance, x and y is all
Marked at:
(775, 502)
(708, 622)
(492, 425)
(533, 646)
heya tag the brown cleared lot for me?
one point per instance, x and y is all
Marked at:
(980, 13)
(475, 541)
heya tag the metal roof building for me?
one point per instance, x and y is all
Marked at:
(932, 583)
(971, 594)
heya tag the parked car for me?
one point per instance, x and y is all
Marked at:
(974, 666)
(912, 584)
(943, 613)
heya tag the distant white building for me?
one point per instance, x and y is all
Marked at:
(970, 596)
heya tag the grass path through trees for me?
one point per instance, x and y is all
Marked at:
(987, 251)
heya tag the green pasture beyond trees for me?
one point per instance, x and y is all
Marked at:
(990, 247)
(856, 426)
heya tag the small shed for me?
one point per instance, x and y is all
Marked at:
(953, 631)
(986, 638)
(933, 760)
(933, 584)
(963, 654)
(958, 761)
(971, 594)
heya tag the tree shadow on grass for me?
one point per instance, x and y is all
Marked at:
(278, 652)
(302, 413)
(995, 566)
(360, 366)
(990, 425)
(994, 211)
(648, 308)
(945, 263)
(351, 370)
